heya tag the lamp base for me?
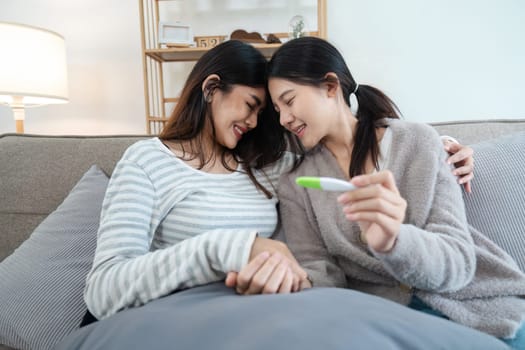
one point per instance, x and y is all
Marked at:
(19, 113)
(19, 126)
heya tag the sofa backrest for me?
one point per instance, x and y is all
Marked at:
(37, 172)
(473, 131)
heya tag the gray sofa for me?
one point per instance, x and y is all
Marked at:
(38, 172)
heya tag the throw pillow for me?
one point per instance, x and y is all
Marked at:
(214, 317)
(497, 205)
(43, 280)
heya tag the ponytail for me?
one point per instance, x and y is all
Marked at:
(374, 108)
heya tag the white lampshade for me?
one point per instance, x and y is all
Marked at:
(33, 68)
(32, 65)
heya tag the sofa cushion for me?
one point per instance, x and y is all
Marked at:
(497, 205)
(43, 280)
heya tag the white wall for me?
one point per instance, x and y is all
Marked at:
(439, 60)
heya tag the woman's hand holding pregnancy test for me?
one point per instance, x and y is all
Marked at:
(378, 208)
(372, 200)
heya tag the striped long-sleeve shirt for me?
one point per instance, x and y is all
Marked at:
(166, 226)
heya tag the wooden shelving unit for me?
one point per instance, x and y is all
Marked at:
(154, 56)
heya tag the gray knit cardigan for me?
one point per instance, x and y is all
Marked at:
(438, 256)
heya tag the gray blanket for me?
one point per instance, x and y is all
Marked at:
(214, 317)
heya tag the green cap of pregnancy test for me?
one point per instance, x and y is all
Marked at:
(309, 182)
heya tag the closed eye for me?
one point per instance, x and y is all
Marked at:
(252, 109)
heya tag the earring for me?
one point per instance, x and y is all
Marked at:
(207, 98)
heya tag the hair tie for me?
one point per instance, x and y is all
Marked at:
(352, 100)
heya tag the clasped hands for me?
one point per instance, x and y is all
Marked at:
(271, 269)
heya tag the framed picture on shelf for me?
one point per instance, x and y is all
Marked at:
(175, 34)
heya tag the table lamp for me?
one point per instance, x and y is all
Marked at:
(33, 69)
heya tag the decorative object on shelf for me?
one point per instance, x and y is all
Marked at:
(252, 38)
(33, 70)
(209, 41)
(296, 27)
(175, 34)
(272, 39)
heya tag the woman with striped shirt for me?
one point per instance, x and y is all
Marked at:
(184, 208)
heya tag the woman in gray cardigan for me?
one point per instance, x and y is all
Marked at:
(402, 234)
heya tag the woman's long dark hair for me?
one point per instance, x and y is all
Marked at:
(236, 63)
(306, 61)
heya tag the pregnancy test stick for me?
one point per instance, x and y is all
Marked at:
(325, 183)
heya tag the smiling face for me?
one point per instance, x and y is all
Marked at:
(307, 111)
(235, 112)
